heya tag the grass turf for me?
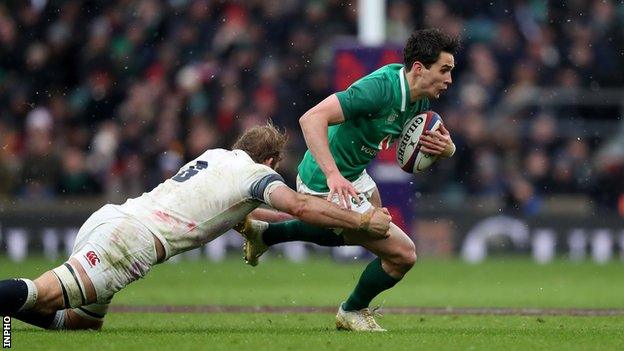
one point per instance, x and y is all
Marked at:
(500, 282)
(140, 331)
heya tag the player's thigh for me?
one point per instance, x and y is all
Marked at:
(116, 253)
(121, 253)
(90, 227)
(54, 285)
(375, 198)
(397, 246)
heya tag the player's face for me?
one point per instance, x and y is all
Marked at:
(437, 78)
(273, 162)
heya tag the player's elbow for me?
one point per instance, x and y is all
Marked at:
(305, 120)
(313, 117)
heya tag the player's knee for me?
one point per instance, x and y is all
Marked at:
(412, 253)
(410, 259)
(405, 258)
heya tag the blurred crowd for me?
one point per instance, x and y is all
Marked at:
(108, 98)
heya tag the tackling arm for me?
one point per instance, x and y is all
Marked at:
(323, 213)
(269, 215)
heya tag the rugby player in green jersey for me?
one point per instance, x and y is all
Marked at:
(344, 133)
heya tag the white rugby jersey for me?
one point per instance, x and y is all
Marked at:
(207, 197)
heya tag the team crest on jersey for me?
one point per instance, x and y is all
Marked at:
(393, 116)
(385, 143)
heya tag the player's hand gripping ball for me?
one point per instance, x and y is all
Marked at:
(409, 156)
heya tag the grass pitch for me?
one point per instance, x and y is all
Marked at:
(500, 282)
(314, 332)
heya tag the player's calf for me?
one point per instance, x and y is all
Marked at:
(69, 319)
(16, 295)
(19, 299)
(45, 301)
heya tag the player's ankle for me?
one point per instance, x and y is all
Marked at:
(17, 295)
(350, 306)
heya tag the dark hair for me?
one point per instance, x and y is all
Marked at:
(425, 46)
(262, 143)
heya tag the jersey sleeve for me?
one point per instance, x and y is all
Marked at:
(365, 98)
(261, 183)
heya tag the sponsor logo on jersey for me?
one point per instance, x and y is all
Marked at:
(368, 150)
(92, 258)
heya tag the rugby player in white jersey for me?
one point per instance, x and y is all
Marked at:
(119, 244)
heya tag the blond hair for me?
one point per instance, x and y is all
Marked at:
(262, 142)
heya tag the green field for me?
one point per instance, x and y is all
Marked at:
(499, 282)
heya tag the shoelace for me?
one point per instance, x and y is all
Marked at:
(370, 314)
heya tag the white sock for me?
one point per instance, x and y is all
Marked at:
(31, 298)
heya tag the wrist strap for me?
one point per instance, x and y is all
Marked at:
(365, 219)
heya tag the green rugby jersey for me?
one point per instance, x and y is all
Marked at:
(375, 108)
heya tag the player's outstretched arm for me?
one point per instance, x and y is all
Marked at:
(323, 213)
(314, 124)
(270, 215)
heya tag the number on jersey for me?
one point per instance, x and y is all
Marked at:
(186, 174)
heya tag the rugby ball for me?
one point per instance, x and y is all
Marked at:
(408, 155)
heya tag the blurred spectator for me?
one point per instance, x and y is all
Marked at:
(40, 171)
(112, 100)
(521, 197)
(8, 160)
(75, 178)
(400, 21)
(537, 168)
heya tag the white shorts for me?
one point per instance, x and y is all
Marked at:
(364, 185)
(114, 250)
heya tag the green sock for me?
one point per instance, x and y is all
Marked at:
(296, 230)
(372, 282)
